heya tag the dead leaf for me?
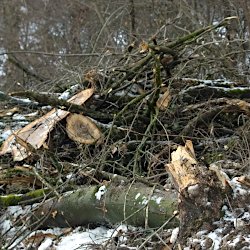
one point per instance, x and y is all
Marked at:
(19, 181)
(54, 214)
(38, 238)
(45, 145)
(143, 47)
(163, 101)
(221, 175)
(244, 180)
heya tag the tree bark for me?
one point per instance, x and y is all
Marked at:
(137, 205)
(201, 191)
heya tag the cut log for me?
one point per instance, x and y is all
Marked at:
(82, 129)
(136, 205)
(22, 142)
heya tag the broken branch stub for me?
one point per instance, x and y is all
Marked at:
(201, 195)
(81, 129)
(183, 166)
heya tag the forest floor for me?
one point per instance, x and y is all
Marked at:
(137, 122)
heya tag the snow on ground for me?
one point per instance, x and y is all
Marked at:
(232, 231)
(56, 238)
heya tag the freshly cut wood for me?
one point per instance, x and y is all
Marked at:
(201, 193)
(35, 133)
(81, 129)
(137, 205)
(183, 166)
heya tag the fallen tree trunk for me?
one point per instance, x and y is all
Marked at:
(137, 205)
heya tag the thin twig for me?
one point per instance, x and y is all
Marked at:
(155, 232)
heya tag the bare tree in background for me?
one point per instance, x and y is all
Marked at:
(41, 36)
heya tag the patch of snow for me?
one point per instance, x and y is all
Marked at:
(235, 88)
(156, 199)
(5, 226)
(69, 176)
(5, 134)
(234, 242)
(24, 100)
(174, 235)
(18, 117)
(216, 239)
(32, 114)
(193, 190)
(48, 107)
(66, 94)
(202, 232)
(17, 210)
(208, 204)
(20, 124)
(237, 188)
(82, 240)
(28, 35)
(228, 215)
(246, 215)
(46, 244)
(247, 239)
(119, 231)
(24, 9)
(102, 190)
(137, 196)
(144, 200)
(3, 59)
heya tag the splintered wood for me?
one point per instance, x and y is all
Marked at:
(183, 166)
(201, 195)
(23, 141)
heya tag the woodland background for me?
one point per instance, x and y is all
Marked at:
(59, 38)
(111, 48)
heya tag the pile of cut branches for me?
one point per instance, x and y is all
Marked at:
(122, 127)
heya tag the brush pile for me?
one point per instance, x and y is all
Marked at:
(124, 122)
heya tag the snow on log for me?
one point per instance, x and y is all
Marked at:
(137, 205)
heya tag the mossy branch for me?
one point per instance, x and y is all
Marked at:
(28, 198)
